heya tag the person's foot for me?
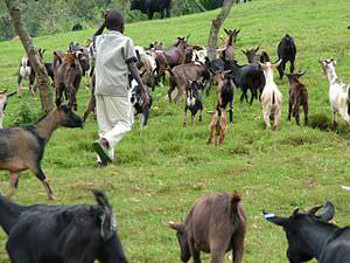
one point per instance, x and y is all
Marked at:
(101, 148)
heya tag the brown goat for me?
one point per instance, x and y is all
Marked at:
(216, 224)
(297, 96)
(185, 73)
(228, 52)
(22, 148)
(218, 127)
(67, 78)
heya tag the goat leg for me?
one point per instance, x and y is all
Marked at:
(13, 184)
(41, 176)
(296, 112)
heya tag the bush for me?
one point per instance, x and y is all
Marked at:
(26, 114)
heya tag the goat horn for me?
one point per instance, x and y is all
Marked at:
(328, 212)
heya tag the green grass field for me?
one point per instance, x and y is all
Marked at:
(160, 171)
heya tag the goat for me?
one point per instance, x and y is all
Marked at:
(216, 224)
(254, 57)
(22, 148)
(226, 91)
(297, 96)
(247, 77)
(217, 127)
(136, 101)
(271, 97)
(286, 51)
(193, 102)
(68, 77)
(79, 233)
(339, 93)
(310, 236)
(3, 104)
(25, 71)
(228, 52)
(182, 74)
(91, 107)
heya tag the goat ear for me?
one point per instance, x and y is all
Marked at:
(321, 62)
(3, 92)
(301, 73)
(226, 31)
(179, 227)
(244, 52)
(257, 49)
(328, 212)
(313, 210)
(296, 211)
(346, 188)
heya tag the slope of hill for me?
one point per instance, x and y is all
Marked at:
(160, 171)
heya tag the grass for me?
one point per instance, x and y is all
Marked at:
(160, 171)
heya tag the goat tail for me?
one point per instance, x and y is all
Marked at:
(171, 73)
(239, 221)
(273, 98)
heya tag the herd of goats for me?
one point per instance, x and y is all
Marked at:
(216, 224)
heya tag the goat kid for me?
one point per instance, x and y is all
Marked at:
(298, 96)
(193, 102)
(136, 101)
(79, 233)
(22, 148)
(3, 104)
(312, 236)
(218, 127)
(216, 224)
(339, 92)
(271, 98)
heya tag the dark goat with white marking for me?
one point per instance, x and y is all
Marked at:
(216, 224)
(286, 51)
(65, 234)
(193, 102)
(310, 236)
(298, 96)
(22, 148)
(136, 100)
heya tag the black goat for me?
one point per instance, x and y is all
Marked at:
(247, 77)
(65, 234)
(310, 236)
(22, 148)
(193, 102)
(226, 91)
(286, 51)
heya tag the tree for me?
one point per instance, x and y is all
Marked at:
(215, 28)
(15, 8)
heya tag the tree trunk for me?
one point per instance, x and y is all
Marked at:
(215, 29)
(42, 80)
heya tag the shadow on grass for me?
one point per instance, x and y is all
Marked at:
(323, 122)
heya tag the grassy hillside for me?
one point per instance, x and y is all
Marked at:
(160, 171)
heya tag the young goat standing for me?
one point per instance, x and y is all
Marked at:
(3, 104)
(193, 102)
(22, 148)
(216, 224)
(297, 96)
(339, 93)
(271, 98)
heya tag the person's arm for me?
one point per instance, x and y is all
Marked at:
(98, 33)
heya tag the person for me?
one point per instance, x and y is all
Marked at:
(115, 59)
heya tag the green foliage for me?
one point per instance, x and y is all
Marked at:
(26, 114)
(160, 171)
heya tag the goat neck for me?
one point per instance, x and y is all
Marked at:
(316, 235)
(268, 75)
(9, 214)
(332, 75)
(46, 126)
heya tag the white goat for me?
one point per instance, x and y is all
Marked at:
(3, 104)
(339, 93)
(271, 97)
(25, 72)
